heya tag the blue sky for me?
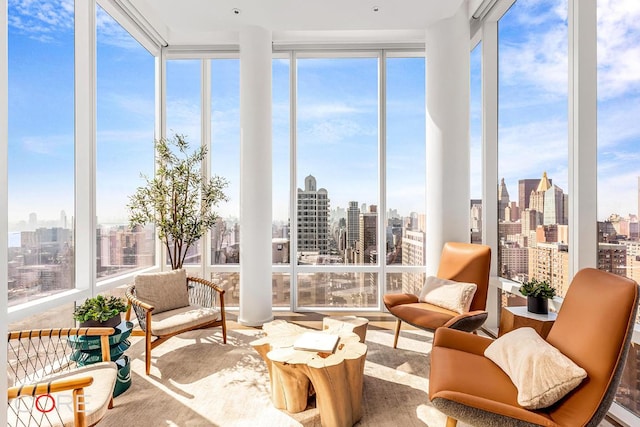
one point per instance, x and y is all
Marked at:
(337, 116)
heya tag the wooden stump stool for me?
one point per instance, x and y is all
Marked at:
(337, 378)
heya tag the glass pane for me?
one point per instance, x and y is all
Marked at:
(533, 151)
(475, 127)
(281, 165)
(225, 157)
(618, 152)
(183, 115)
(281, 289)
(344, 290)
(337, 160)
(125, 114)
(406, 161)
(40, 149)
(230, 282)
(404, 283)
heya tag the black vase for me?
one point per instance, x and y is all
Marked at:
(111, 323)
(538, 305)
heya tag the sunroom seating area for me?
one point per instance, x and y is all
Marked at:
(457, 179)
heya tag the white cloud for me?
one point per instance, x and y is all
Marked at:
(109, 32)
(42, 20)
(618, 47)
(50, 145)
(310, 111)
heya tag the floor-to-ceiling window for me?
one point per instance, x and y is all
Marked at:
(281, 143)
(183, 101)
(225, 163)
(532, 190)
(125, 109)
(337, 179)
(404, 218)
(475, 132)
(41, 149)
(618, 156)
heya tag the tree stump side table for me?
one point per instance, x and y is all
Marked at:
(518, 317)
(337, 378)
(340, 324)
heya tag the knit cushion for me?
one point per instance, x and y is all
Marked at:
(165, 291)
(449, 294)
(540, 372)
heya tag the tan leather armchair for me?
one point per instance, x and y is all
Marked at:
(462, 262)
(593, 328)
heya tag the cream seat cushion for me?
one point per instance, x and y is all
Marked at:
(449, 294)
(165, 291)
(182, 318)
(540, 372)
(97, 398)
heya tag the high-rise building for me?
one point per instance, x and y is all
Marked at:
(503, 200)
(525, 187)
(514, 260)
(554, 212)
(476, 221)
(367, 235)
(536, 199)
(413, 253)
(612, 258)
(353, 216)
(313, 218)
(550, 262)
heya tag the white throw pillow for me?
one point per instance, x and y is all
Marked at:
(540, 372)
(449, 294)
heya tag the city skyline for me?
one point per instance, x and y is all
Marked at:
(533, 67)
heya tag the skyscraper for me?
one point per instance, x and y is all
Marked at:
(525, 187)
(554, 206)
(353, 215)
(503, 199)
(313, 218)
(367, 235)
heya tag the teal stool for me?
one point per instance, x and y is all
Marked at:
(87, 351)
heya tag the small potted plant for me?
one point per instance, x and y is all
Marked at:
(538, 294)
(100, 311)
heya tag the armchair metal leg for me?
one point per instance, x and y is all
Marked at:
(395, 339)
(451, 422)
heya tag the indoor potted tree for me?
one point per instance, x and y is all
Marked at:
(177, 200)
(538, 294)
(100, 311)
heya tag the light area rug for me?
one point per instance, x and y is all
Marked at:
(198, 381)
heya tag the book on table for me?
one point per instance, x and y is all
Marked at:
(317, 341)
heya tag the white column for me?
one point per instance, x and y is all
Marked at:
(583, 227)
(85, 145)
(447, 86)
(255, 176)
(4, 190)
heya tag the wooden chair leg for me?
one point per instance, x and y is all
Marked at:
(395, 338)
(147, 339)
(224, 332)
(451, 422)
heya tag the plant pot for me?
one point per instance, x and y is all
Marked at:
(538, 305)
(111, 323)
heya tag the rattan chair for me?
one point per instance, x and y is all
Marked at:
(53, 383)
(170, 303)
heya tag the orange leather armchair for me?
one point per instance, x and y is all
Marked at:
(462, 262)
(593, 328)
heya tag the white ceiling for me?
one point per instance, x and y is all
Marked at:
(205, 22)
